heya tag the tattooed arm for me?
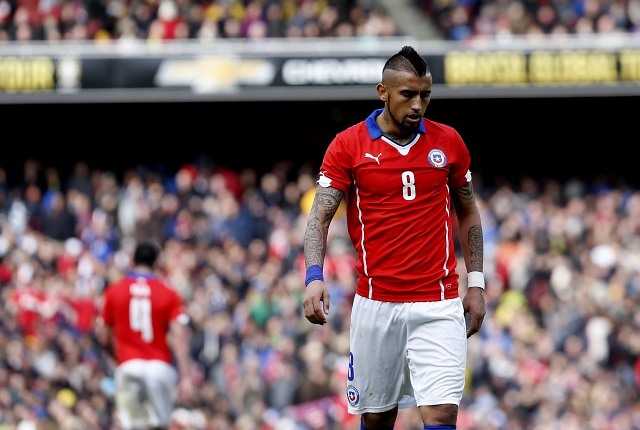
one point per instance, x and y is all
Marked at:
(316, 297)
(470, 227)
(471, 242)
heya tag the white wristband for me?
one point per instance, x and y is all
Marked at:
(475, 279)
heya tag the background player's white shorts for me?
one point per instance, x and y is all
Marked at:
(405, 354)
(145, 393)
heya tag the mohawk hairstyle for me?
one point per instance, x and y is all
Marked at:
(407, 60)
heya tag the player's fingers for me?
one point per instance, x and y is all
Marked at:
(319, 312)
(474, 326)
(326, 303)
(313, 311)
(308, 309)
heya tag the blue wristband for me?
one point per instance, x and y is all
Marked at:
(314, 273)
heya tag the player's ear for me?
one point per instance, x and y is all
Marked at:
(382, 92)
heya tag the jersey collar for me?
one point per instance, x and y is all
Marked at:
(141, 274)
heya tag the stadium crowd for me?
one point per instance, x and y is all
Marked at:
(470, 19)
(160, 20)
(560, 347)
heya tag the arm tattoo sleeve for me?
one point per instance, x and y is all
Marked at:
(476, 247)
(465, 192)
(464, 201)
(325, 205)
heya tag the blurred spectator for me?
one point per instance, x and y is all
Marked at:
(80, 179)
(57, 221)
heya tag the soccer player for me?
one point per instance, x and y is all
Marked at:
(402, 175)
(144, 324)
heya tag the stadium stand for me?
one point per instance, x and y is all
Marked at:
(464, 20)
(29, 20)
(170, 20)
(559, 347)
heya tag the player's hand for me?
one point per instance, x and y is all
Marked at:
(316, 302)
(474, 305)
(186, 390)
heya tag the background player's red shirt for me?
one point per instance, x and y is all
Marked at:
(30, 305)
(140, 308)
(399, 211)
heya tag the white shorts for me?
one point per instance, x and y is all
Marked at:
(405, 354)
(145, 393)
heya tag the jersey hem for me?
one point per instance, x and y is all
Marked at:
(398, 297)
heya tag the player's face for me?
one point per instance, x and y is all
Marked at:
(407, 99)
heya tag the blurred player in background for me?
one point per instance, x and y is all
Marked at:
(401, 174)
(145, 325)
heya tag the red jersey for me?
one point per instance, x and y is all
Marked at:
(140, 308)
(399, 212)
(30, 305)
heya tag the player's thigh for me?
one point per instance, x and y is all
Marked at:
(131, 393)
(129, 378)
(377, 374)
(161, 380)
(437, 351)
